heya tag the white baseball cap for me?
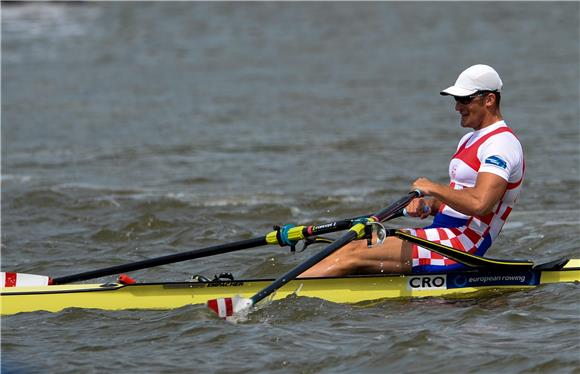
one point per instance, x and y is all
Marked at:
(473, 79)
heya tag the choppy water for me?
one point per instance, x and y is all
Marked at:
(133, 130)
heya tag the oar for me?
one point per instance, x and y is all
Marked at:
(286, 236)
(227, 307)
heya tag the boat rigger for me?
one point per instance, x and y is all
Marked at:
(352, 289)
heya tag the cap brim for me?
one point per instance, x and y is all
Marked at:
(457, 91)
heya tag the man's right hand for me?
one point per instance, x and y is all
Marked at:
(421, 208)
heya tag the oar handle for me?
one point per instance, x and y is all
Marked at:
(396, 209)
(426, 210)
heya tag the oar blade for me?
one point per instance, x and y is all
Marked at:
(8, 279)
(230, 306)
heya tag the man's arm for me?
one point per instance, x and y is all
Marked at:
(478, 200)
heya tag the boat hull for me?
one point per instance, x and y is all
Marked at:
(355, 289)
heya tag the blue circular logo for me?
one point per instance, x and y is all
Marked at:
(460, 280)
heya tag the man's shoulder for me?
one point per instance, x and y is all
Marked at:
(503, 146)
(505, 138)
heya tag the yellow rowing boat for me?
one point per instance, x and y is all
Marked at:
(351, 289)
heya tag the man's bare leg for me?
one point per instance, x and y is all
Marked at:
(393, 256)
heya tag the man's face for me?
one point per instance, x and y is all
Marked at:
(472, 110)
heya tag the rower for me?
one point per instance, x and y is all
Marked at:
(486, 173)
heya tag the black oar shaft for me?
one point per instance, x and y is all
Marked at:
(296, 271)
(197, 253)
(164, 260)
(194, 254)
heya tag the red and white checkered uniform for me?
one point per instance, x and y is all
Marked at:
(494, 149)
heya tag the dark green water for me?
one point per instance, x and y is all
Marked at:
(134, 130)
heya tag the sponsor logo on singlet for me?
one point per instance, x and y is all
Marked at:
(496, 161)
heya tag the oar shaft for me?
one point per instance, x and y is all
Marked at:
(296, 271)
(199, 253)
(203, 252)
(164, 260)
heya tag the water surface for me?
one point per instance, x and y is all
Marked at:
(137, 129)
